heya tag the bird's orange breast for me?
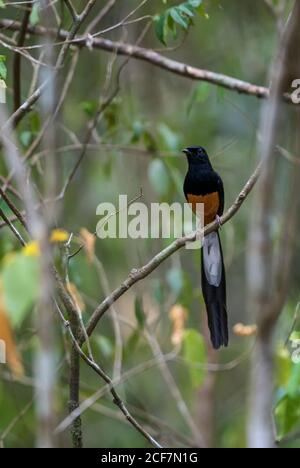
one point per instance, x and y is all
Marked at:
(211, 203)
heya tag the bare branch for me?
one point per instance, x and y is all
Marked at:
(141, 273)
(116, 398)
(17, 58)
(12, 228)
(102, 13)
(155, 59)
(71, 9)
(17, 116)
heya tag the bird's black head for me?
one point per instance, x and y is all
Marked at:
(196, 155)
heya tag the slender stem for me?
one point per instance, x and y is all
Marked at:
(12, 228)
(18, 57)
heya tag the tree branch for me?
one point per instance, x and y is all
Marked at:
(12, 228)
(269, 265)
(153, 58)
(71, 9)
(18, 57)
(17, 116)
(116, 398)
(141, 273)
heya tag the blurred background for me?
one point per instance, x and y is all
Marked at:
(154, 340)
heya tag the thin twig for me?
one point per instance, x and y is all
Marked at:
(102, 13)
(17, 116)
(116, 398)
(13, 208)
(12, 228)
(71, 9)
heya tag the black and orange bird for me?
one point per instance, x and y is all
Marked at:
(203, 185)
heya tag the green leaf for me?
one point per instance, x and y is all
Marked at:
(198, 95)
(194, 351)
(26, 138)
(35, 15)
(35, 122)
(160, 27)
(293, 388)
(203, 92)
(287, 414)
(138, 129)
(89, 107)
(171, 26)
(187, 10)
(283, 366)
(139, 312)
(179, 15)
(221, 92)
(194, 3)
(149, 141)
(202, 12)
(295, 336)
(105, 345)
(20, 278)
(159, 177)
(3, 69)
(171, 140)
(175, 280)
(111, 115)
(179, 18)
(2, 5)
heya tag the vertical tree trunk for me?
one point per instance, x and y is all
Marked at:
(269, 265)
(260, 424)
(206, 395)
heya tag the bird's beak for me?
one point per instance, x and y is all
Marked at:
(185, 151)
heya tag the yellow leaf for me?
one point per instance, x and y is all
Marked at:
(244, 330)
(6, 336)
(178, 315)
(75, 294)
(32, 249)
(59, 235)
(88, 240)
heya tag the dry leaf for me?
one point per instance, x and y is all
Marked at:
(88, 240)
(77, 299)
(178, 315)
(244, 330)
(12, 355)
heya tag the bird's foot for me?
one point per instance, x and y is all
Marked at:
(218, 220)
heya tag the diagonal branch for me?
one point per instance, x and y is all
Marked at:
(12, 228)
(141, 273)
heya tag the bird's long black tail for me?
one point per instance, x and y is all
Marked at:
(214, 289)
